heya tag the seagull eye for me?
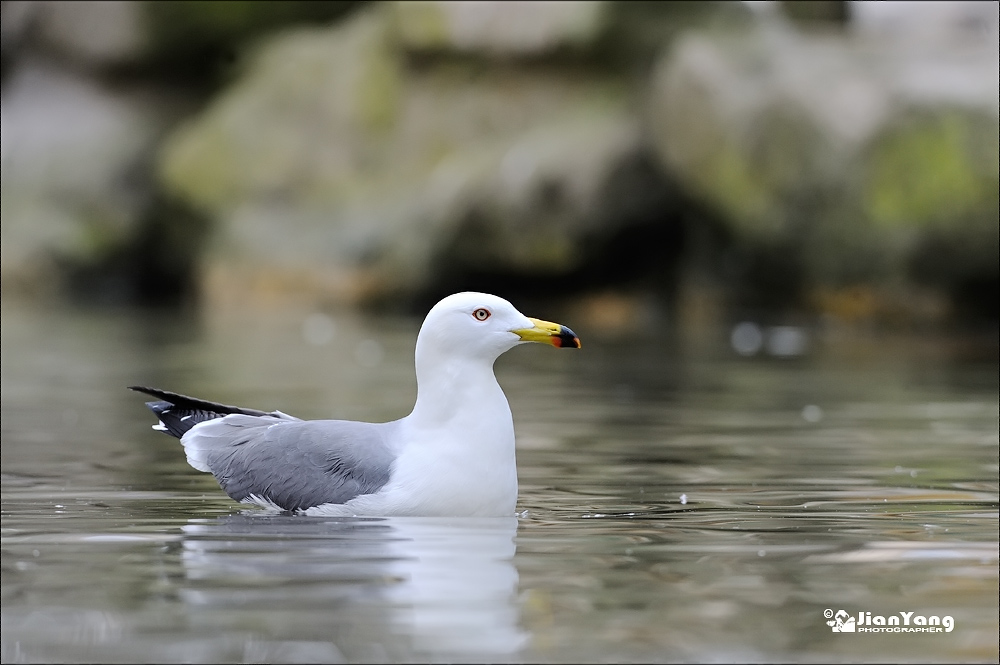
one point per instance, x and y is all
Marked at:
(481, 314)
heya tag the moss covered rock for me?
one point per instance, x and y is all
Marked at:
(335, 160)
(70, 196)
(849, 153)
(500, 28)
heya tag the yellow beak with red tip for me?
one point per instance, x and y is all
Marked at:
(549, 333)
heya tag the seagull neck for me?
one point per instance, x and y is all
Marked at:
(446, 385)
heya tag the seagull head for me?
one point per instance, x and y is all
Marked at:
(481, 325)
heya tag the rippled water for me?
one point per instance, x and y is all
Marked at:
(679, 502)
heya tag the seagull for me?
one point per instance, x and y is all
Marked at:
(452, 456)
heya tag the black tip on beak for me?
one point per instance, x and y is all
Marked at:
(567, 339)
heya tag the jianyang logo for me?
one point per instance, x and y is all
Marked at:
(842, 622)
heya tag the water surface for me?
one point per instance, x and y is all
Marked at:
(678, 502)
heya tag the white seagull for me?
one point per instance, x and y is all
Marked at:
(452, 456)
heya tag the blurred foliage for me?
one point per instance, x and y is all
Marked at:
(199, 41)
(925, 172)
(817, 11)
(638, 31)
(156, 263)
(421, 147)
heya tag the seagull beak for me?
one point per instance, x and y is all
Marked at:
(549, 333)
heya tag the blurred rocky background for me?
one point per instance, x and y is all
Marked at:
(698, 159)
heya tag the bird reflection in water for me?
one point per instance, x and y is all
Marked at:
(400, 588)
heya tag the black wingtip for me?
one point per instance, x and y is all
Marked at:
(159, 407)
(184, 402)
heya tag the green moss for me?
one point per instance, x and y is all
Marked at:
(197, 165)
(737, 189)
(421, 25)
(379, 85)
(179, 28)
(264, 136)
(930, 171)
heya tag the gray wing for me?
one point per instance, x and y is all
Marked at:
(293, 464)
